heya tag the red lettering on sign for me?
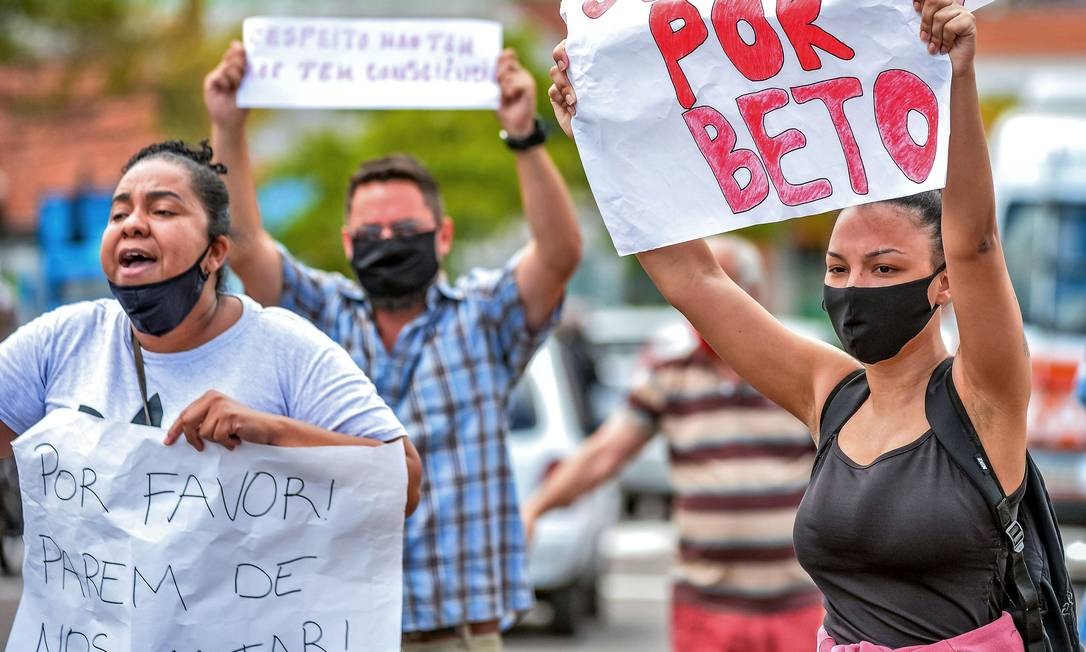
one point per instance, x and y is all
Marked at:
(719, 151)
(754, 108)
(596, 8)
(834, 93)
(675, 43)
(897, 94)
(797, 18)
(758, 61)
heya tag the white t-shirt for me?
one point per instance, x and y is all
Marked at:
(80, 357)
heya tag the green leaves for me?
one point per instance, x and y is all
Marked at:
(476, 171)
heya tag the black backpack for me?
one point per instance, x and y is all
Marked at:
(1039, 595)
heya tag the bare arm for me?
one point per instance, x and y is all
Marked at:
(254, 257)
(7, 435)
(295, 434)
(554, 252)
(600, 458)
(218, 418)
(993, 369)
(793, 371)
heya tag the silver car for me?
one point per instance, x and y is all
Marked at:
(545, 429)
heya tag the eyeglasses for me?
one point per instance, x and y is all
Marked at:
(404, 228)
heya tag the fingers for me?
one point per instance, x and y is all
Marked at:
(558, 101)
(222, 433)
(508, 62)
(227, 76)
(512, 77)
(963, 24)
(563, 87)
(192, 434)
(941, 22)
(927, 14)
(214, 417)
(940, 40)
(561, 59)
(172, 435)
(190, 420)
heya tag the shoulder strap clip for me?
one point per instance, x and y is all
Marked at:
(1017, 536)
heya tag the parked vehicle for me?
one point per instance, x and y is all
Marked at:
(1039, 156)
(564, 558)
(620, 342)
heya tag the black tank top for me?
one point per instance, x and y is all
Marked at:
(905, 549)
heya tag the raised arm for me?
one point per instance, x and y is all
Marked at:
(793, 371)
(254, 257)
(600, 458)
(554, 252)
(993, 369)
(220, 419)
(796, 372)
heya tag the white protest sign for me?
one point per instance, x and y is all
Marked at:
(134, 547)
(321, 63)
(698, 117)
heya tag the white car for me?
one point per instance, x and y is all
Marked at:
(545, 429)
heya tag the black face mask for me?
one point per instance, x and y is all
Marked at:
(874, 324)
(158, 308)
(395, 267)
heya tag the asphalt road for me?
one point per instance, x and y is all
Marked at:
(634, 594)
(634, 598)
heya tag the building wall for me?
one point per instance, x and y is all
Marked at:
(64, 145)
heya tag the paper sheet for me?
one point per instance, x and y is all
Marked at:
(134, 547)
(331, 63)
(700, 117)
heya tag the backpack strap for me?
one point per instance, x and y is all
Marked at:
(947, 416)
(839, 407)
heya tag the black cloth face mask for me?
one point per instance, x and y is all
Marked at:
(395, 267)
(874, 324)
(158, 308)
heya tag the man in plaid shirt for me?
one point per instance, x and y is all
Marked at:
(444, 356)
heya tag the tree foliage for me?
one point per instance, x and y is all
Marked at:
(462, 148)
(135, 45)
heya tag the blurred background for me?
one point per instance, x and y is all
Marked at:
(85, 83)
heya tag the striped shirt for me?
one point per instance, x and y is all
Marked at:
(448, 379)
(739, 467)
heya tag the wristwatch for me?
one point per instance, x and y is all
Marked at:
(534, 139)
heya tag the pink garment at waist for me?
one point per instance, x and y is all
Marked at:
(998, 636)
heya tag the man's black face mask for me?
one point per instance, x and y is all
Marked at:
(396, 267)
(874, 324)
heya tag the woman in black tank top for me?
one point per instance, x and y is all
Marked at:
(904, 549)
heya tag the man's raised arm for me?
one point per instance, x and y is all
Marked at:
(555, 250)
(254, 257)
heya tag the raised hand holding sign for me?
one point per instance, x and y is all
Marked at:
(697, 117)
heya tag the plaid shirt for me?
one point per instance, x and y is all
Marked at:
(448, 379)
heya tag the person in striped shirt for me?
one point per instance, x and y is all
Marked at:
(739, 467)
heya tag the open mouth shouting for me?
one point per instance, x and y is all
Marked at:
(135, 262)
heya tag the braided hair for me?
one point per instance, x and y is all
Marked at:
(207, 183)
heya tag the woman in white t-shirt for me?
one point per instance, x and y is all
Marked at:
(174, 351)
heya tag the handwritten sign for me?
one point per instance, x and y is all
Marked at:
(704, 116)
(134, 546)
(371, 64)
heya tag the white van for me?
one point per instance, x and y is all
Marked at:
(1039, 158)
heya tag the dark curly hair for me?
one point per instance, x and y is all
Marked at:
(207, 183)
